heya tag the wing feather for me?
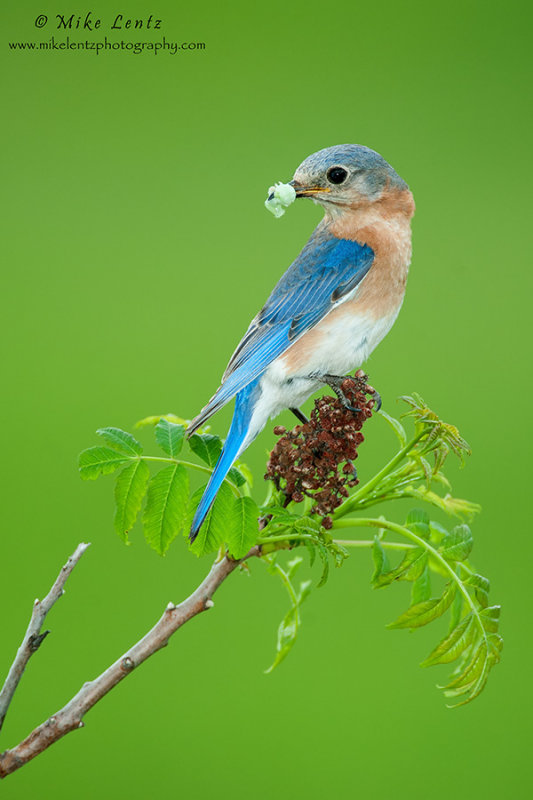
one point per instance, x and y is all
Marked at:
(324, 274)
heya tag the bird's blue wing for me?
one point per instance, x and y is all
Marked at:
(325, 272)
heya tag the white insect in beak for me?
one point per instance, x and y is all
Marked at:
(280, 197)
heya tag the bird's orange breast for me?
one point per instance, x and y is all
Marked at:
(385, 227)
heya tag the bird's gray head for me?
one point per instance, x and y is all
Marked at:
(345, 175)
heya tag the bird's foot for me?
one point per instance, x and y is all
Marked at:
(337, 383)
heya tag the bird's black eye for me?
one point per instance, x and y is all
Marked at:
(336, 175)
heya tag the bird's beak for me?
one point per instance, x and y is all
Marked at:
(307, 191)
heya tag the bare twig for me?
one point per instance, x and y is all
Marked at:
(70, 717)
(33, 637)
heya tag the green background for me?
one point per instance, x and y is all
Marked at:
(136, 250)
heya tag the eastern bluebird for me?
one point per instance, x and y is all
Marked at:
(330, 309)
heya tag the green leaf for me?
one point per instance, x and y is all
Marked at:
(421, 589)
(440, 457)
(99, 461)
(304, 591)
(121, 440)
(312, 552)
(338, 553)
(323, 555)
(242, 530)
(417, 515)
(288, 629)
(192, 505)
(166, 506)
(396, 426)
(129, 493)
(422, 613)
(279, 517)
(473, 677)
(207, 447)
(169, 437)
(236, 476)
(481, 587)
(454, 644)
(287, 633)
(468, 676)
(216, 525)
(293, 566)
(154, 419)
(381, 563)
(409, 569)
(438, 532)
(426, 469)
(321, 542)
(245, 471)
(458, 544)
(490, 618)
(456, 610)
(418, 522)
(308, 525)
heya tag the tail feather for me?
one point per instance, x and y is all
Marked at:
(238, 432)
(201, 418)
(240, 381)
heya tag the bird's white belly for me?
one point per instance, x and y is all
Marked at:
(277, 395)
(336, 347)
(345, 343)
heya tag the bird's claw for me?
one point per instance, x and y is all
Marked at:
(335, 382)
(347, 405)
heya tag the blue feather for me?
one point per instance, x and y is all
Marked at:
(240, 425)
(326, 270)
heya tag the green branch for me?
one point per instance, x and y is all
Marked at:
(369, 543)
(353, 501)
(362, 522)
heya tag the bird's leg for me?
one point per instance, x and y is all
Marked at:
(299, 415)
(335, 382)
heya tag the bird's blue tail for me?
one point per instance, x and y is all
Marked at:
(240, 425)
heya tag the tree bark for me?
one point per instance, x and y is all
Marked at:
(70, 717)
(33, 638)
